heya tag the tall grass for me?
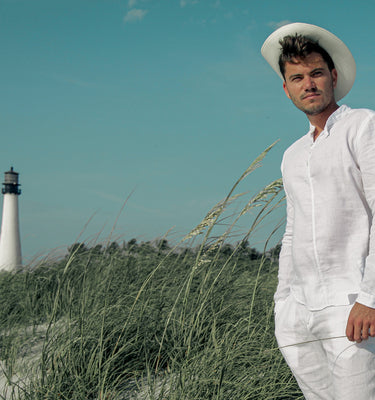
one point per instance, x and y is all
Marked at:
(139, 322)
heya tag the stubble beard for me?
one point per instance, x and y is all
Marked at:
(315, 109)
(312, 109)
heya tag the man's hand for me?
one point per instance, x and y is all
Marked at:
(361, 323)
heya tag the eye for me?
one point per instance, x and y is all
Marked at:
(317, 73)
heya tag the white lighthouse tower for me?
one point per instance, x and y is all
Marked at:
(10, 243)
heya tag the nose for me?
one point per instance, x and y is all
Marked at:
(309, 84)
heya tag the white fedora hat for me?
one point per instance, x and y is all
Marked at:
(340, 54)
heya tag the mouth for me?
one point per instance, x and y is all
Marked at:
(310, 96)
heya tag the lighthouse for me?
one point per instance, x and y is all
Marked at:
(10, 243)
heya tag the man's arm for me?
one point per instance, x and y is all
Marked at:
(361, 321)
(285, 258)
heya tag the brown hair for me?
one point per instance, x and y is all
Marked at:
(299, 46)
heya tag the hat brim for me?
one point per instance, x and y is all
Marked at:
(340, 54)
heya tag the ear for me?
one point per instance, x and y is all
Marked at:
(334, 77)
(286, 90)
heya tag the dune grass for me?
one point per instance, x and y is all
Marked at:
(150, 322)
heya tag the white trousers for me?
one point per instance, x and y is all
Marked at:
(326, 365)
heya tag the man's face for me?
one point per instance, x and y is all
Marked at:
(309, 84)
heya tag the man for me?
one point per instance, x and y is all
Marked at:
(325, 299)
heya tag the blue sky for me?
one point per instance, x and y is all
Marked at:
(167, 101)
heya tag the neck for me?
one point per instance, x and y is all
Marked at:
(319, 120)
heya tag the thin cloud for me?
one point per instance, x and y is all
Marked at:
(184, 3)
(71, 80)
(277, 25)
(134, 15)
(108, 196)
(132, 3)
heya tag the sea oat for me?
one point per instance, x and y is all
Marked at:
(211, 217)
(272, 188)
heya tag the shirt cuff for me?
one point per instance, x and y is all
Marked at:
(366, 299)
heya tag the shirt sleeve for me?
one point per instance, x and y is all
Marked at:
(365, 149)
(285, 258)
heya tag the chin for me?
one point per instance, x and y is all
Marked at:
(314, 109)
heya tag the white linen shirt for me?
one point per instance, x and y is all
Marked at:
(328, 249)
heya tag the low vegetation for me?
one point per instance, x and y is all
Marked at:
(149, 321)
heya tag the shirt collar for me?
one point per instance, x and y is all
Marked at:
(335, 116)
